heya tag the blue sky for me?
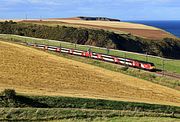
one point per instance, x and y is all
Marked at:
(121, 9)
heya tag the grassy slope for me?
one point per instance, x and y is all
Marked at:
(53, 108)
(123, 119)
(36, 72)
(77, 114)
(119, 27)
(112, 24)
(170, 65)
(165, 81)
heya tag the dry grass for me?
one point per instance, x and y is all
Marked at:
(36, 72)
(133, 28)
(111, 24)
(118, 27)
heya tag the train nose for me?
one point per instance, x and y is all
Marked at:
(152, 67)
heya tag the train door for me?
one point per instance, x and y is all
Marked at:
(57, 49)
(136, 64)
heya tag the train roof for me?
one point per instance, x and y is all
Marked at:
(107, 55)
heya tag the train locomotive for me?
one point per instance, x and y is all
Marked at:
(108, 58)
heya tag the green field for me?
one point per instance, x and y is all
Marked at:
(35, 108)
(122, 119)
(77, 115)
(170, 65)
(22, 101)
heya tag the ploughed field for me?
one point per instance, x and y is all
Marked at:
(122, 27)
(35, 72)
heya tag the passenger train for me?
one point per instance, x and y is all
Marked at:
(104, 57)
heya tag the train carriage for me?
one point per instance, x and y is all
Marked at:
(109, 58)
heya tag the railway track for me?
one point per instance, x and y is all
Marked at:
(161, 73)
(174, 75)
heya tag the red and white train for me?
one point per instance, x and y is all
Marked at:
(109, 58)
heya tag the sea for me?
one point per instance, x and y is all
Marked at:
(172, 26)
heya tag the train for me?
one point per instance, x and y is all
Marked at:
(98, 56)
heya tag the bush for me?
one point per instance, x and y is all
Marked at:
(125, 68)
(9, 93)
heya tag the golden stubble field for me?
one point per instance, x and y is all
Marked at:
(111, 24)
(35, 72)
(118, 27)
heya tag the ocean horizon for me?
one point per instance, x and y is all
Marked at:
(171, 26)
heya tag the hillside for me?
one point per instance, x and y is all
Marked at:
(167, 47)
(141, 30)
(36, 72)
(114, 25)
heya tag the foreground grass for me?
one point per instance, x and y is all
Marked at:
(40, 114)
(16, 101)
(169, 65)
(122, 119)
(43, 108)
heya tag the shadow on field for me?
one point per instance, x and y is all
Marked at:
(27, 102)
(158, 70)
(21, 101)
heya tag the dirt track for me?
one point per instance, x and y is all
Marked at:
(36, 72)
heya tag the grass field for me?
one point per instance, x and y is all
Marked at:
(123, 119)
(36, 72)
(169, 65)
(119, 27)
(35, 108)
(64, 115)
(110, 24)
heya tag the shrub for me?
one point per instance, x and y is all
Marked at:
(125, 68)
(9, 93)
